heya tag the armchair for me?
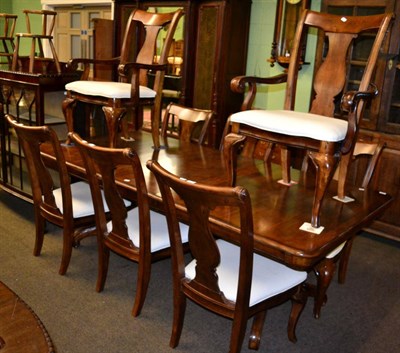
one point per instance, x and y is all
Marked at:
(130, 91)
(325, 138)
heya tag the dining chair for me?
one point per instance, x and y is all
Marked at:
(225, 278)
(325, 137)
(55, 198)
(7, 29)
(139, 234)
(130, 91)
(186, 124)
(368, 154)
(48, 21)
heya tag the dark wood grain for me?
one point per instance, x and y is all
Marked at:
(20, 328)
(278, 210)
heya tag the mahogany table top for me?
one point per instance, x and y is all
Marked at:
(278, 210)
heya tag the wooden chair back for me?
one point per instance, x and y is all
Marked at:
(330, 77)
(367, 154)
(186, 124)
(205, 279)
(48, 21)
(200, 201)
(141, 39)
(43, 182)
(55, 198)
(7, 29)
(103, 162)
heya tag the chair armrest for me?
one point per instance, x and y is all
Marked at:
(231, 145)
(239, 84)
(73, 64)
(124, 70)
(350, 104)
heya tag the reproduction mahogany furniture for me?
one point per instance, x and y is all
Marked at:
(187, 124)
(20, 328)
(325, 139)
(7, 28)
(25, 96)
(48, 20)
(215, 38)
(138, 234)
(129, 93)
(227, 279)
(381, 122)
(55, 198)
(278, 211)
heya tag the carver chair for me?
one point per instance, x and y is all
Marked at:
(139, 234)
(55, 199)
(186, 124)
(130, 91)
(48, 20)
(365, 158)
(7, 24)
(227, 279)
(325, 137)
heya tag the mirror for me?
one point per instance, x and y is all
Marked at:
(287, 15)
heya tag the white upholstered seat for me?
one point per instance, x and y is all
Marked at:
(159, 230)
(269, 277)
(118, 90)
(294, 123)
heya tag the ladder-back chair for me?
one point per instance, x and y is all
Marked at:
(7, 24)
(48, 21)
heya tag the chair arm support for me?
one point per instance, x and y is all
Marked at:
(239, 83)
(231, 145)
(125, 69)
(350, 103)
(351, 99)
(73, 64)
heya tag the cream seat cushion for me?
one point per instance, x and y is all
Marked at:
(288, 122)
(269, 277)
(82, 204)
(117, 90)
(159, 230)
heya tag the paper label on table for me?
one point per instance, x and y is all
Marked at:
(309, 228)
(346, 199)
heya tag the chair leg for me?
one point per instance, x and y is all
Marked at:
(325, 163)
(238, 330)
(104, 259)
(285, 163)
(39, 229)
(68, 106)
(256, 330)
(143, 279)
(324, 272)
(344, 261)
(155, 127)
(113, 118)
(344, 167)
(67, 249)
(179, 316)
(299, 301)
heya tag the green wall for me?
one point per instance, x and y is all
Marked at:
(261, 34)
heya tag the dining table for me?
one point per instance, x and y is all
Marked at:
(279, 210)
